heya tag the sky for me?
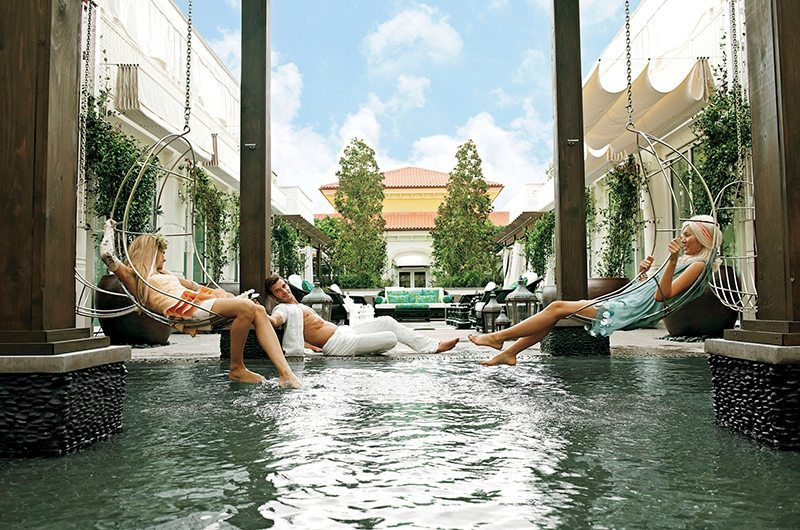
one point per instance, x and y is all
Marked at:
(413, 79)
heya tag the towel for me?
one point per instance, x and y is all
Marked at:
(293, 342)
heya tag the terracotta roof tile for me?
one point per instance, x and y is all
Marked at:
(419, 220)
(412, 177)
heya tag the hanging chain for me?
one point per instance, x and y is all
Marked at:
(629, 106)
(737, 91)
(84, 110)
(187, 109)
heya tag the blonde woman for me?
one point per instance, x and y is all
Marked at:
(146, 255)
(632, 308)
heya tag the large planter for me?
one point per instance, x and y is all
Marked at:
(704, 316)
(597, 288)
(135, 328)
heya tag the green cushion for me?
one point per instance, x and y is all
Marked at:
(379, 299)
(307, 285)
(447, 299)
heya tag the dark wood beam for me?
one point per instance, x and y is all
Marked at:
(256, 165)
(39, 72)
(774, 76)
(570, 209)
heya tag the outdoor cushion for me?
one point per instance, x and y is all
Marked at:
(412, 306)
(307, 285)
(379, 299)
(447, 299)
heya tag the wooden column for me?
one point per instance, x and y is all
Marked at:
(774, 76)
(256, 165)
(39, 72)
(570, 209)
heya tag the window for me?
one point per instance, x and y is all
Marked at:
(408, 277)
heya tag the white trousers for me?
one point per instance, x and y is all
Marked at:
(376, 336)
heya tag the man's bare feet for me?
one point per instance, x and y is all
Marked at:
(243, 375)
(446, 345)
(289, 381)
(501, 358)
(486, 340)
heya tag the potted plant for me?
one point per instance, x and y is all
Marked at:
(718, 153)
(109, 155)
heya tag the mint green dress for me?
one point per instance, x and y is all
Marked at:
(636, 307)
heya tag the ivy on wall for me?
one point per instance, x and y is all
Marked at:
(110, 154)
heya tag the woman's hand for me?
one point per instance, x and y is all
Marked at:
(674, 248)
(645, 265)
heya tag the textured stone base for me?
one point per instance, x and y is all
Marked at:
(252, 349)
(757, 399)
(574, 340)
(50, 414)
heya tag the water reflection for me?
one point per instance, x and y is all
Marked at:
(422, 443)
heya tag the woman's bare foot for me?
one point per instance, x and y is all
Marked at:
(501, 358)
(243, 375)
(486, 340)
(446, 345)
(289, 381)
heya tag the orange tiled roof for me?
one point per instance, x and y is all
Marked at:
(412, 177)
(419, 220)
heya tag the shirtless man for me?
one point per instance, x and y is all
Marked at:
(311, 331)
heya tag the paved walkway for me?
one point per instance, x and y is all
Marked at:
(637, 343)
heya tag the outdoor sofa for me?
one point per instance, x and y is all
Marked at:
(412, 303)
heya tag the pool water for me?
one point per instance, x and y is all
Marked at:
(422, 443)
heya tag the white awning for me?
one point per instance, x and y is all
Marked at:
(659, 106)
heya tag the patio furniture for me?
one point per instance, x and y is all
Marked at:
(410, 303)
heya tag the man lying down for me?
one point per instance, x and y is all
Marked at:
(306, 329)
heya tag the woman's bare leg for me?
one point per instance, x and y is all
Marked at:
(532, 329)
(269, 342)
(245, 314)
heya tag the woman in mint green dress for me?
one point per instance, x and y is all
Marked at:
(637, 306)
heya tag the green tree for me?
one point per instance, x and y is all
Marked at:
(539, 242)
(360, 247)
(332, 227)
(286, 242)
(621, 218)
(464, 249)
(110, 154)
(723, 144)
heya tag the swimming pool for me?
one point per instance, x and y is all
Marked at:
(421, 443)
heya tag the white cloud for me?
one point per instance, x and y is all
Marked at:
(300, 156)
(286, 87)
(410, 40)
(362, 124)
(508, 155)
(534, 62)
(498, 5)
(235, 4)
(229, 49)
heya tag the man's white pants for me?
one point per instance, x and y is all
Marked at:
(376, 336)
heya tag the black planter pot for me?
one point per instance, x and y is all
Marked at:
(135, 328)
(704, 316)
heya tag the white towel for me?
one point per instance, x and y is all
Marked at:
(293, 342)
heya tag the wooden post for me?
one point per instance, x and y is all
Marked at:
(754, 370)
(774, 75)
(39, 69)
(570, 209)
(256, 165)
